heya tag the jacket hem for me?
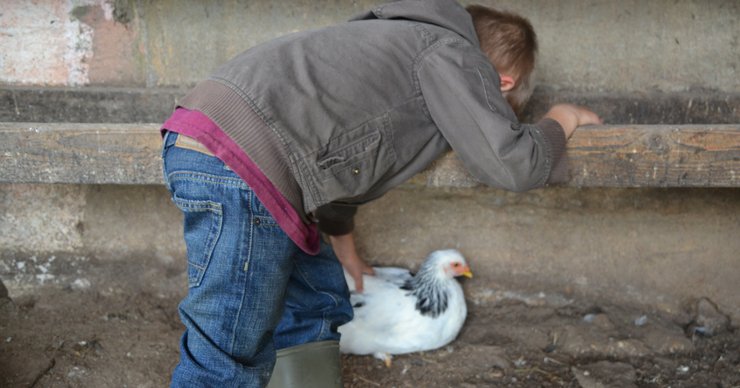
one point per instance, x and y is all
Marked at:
(236, 116)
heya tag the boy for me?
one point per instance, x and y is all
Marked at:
(289, 137)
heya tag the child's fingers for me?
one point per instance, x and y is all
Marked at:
(358, 282)
(586, 117)
(368, 270)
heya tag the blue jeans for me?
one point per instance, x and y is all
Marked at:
(251, 289)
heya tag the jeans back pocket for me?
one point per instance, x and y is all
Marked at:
(202, 228)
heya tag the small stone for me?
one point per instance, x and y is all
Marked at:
(708, 320)
(76, 372)
(666, 340)
(601, 321)
(520, 362)
(641, 320)
(80, 284)
(496, 374)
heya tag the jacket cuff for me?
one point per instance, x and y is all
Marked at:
(336, 219)
(554, 136)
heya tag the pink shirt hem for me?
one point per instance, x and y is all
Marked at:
(198, 126)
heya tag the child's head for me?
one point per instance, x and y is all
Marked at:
(510, 43)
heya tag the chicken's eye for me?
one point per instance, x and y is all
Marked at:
(456, 264)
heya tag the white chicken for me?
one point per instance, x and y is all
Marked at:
(398, 312)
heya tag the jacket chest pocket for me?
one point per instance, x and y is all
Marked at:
(353, 161)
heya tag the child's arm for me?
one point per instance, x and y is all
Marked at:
(462, 93)
(344, 248)
(337, 221)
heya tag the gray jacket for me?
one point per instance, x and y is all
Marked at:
(337, 116)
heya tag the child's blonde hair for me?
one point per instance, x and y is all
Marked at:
(510, 43)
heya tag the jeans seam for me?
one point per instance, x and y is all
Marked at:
(325, 326)
(214, 232)
(164, 161)
(323, 330)
(248, 259)
(191, 176)
(336, 302)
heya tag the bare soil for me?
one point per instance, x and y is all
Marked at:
(82, 322)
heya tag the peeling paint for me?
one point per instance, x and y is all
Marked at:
(79, 39)
(50, 45)
(108, 10)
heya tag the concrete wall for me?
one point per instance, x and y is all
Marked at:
(660, 247)
(607, 46)
(656, 247)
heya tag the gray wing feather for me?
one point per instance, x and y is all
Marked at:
(397, 276)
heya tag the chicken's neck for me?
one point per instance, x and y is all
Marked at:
(430, 290)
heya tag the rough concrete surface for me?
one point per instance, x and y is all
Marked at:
(660, 45)
(82, 219)
(41, 216)
(656, 247)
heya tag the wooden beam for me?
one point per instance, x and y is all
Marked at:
(656, 156)
(696, 155)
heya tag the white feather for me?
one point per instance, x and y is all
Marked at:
(387, 320)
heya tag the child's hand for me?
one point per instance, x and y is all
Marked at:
(572, 116)
(344, 248)
(586, 116)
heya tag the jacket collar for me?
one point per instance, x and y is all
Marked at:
(444, 13)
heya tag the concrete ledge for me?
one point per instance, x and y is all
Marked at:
(599, 156)
(80, 153)
(87, 105)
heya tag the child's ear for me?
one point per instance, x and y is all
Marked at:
(507, 82)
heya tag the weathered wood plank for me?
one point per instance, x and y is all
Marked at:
(601, 156)
(656, 156)
(696, 155)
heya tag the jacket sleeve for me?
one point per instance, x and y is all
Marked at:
(336, 219)
(460, 87)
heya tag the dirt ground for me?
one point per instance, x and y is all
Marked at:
(82, 322)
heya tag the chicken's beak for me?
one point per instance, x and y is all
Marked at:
(467, 273)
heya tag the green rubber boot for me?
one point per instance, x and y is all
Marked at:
(311, 365)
